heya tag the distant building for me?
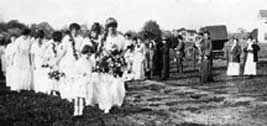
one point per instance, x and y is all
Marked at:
(188, 34)
(262, 26)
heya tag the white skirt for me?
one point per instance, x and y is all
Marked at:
(108, 91)
(233, 69)
(22, 79)
(250, 66)
(10, 76)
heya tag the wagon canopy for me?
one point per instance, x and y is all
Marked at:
(218, 35)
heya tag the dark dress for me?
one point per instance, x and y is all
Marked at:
(157, 60)
(165, 60)
(150, 47)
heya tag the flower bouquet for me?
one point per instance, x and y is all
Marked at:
(111, 62)
(55, 75)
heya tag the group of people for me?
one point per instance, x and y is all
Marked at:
(250, 59)
(65, 65)
(68, 64)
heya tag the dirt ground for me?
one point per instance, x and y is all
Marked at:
(179, 101)
(182, 100)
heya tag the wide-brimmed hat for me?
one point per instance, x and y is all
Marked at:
(111, 22)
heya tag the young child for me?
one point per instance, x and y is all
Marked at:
(128, 74)
(82, 76)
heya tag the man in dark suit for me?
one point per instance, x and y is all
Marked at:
(205, 52)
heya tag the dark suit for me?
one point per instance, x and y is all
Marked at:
(157, 59)
(205, 52)
(165, 60)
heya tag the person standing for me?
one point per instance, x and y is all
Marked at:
(157, 59)
(22, 62)
(165, 56)
(205, 57)
(37, 51)
(234, 64)
(139, 60)
(180, 53)
(112, 39)
(70, 49)
(9, 57)
(150, 48)
(94, 38)
(251, 51)
(83, 88)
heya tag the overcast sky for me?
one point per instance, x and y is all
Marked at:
(131, 14)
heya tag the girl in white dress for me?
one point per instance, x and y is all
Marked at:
(37, 52)
(22, 62)
(129, 58)
(139, 60)
(9, 56)
(251, 57)
(82, 86)
(50, 63)
(234, 64)
(69, 54)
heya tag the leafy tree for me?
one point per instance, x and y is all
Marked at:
(15, 24)
(48, 29)
(152, 30)
(3, 27)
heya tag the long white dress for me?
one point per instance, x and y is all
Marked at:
(22, 66)
(67, 64)
(9, 56)
(39, 74)
(108, 91)
(233, 68)
(250, 65)
(139, 62)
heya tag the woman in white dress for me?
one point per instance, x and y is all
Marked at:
(234, 64)
(139, 60)
(9, 56)
(37, 52)
(70, 51)
(51, 52)
(112, 38)
(69, 54)
(251, 57)
(108, 90)
(82, 82)
(22, 62)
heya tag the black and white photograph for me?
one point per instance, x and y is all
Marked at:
(133, 62)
